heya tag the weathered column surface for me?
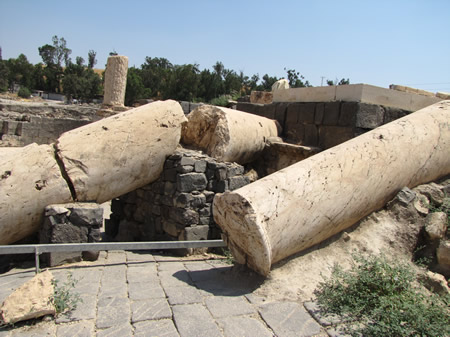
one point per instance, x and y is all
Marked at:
(308, 202)
(115, 81)
(118, 154)
(30, 179)
(227, 134)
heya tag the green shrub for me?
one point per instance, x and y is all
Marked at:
(221, 100)
(24, 92)
(63, 297)
(380, 296)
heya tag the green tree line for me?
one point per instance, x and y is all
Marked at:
(156, 78)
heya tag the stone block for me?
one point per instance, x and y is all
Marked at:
(311, 137)
(331, 113)
(330, 136)
(185, 217)
(198, 200)
(436, 225)
(369, 116)
(221, 173)
(268, 111)
(183, 200)
(185, 169)
(170, 174)
(443, 255)
(237, 182)
(171, 228)
(261, 97)
(205, 211)
(295, 133)
(391, 114)
(185, 107)
(189, 182)
(348, 113)
(234, 170)
(209, 196)
(200, 166)
(169, 188)
(292, 114)
(320, 111)
(306, 112)
(194, 233)
(280, 112)
(220, 186)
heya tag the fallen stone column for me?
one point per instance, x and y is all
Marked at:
(226, 134)
(308, 202)
(97, 162)
(116, 155)
(30, 179)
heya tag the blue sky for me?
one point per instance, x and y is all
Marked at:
(374, 42)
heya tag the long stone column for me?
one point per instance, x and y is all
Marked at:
(308, 202)
(115, 81)
(30, 179)
(227, 134)
(97, 162)
(118, 154)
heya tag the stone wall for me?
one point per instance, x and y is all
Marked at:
(31, 129)
(178, 205)
(324, 124)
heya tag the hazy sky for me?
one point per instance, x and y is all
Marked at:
(374, 42)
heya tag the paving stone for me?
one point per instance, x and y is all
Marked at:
(244, 327)
(183, 295)
(79, 329)
(123, 330)
(165, 258)
(255, 299)
(150, 309)
(114, 274)
(158, 328)
(198, 266)
(228, 306)
(140, 256)
(115, 257)
(210, 274)
(112, 302)
(108, 316)
(118, 289)
(143, 291)
(194, 320)
(140, 276)
(38, 330)
(87, 309)
(170, 266)
(324, 319)
(289, 319)
(175, 279)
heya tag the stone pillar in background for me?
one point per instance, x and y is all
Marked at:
(115, 85)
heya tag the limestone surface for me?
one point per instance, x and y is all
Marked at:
(227, 134)
(121, 153)
(30, 179)
(308, 202)
(31, 300)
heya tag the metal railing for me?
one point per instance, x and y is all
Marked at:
(100, 246)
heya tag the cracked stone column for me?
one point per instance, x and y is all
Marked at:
(115, 83)
(308, 202)
(97, 162)
(30, 179)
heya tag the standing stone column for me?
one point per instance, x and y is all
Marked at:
(115, 83)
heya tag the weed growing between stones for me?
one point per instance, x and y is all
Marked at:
(64, 299)
(380, 297)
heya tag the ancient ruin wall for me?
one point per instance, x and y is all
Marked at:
(178, 205)
(324, 124)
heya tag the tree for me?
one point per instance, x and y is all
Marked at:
(91, 59)
(4, 73)
(267, 82)
(341, 82)
(53, 56)
(135, 89)
(80, 82)
(295, 79)
(156, 75)
(20, 71)
(183, 84)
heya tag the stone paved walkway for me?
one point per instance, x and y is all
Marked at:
(143, 294)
